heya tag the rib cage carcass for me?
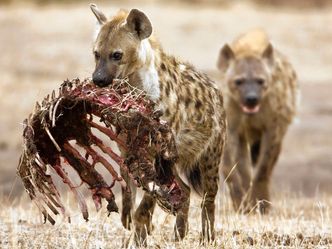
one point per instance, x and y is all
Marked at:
(126, 116)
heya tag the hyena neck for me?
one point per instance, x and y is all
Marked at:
(158, 72)
(147, 73)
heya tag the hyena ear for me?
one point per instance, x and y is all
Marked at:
(268, 54)
(139, 24)
(101, 18)
(226, 54)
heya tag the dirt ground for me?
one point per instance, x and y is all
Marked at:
(41, 46)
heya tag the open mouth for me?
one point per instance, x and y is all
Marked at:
(250, 109)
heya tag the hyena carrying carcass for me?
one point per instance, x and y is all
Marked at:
(190, 101)
(260, 102)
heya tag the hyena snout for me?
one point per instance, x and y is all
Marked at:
(101, 79)
(251, 103)
(251, 100)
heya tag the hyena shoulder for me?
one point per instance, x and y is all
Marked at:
(284, 93)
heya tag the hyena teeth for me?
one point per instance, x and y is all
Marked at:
(53, 95)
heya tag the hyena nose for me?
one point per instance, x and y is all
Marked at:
(99, 80)
(251, 100)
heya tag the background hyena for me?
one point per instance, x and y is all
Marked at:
(260, 104)
(190, 101)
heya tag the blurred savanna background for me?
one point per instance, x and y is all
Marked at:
(44, 42)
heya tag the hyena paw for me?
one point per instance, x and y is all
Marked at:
(207, 239)
(141, 234)
(260, 198)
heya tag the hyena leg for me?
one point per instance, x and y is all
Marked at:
(142, 218)
(230, 170)
(128, 200)
(233, 181)
(244, 163)
(261, 183)
(181, 225)
(210, 180)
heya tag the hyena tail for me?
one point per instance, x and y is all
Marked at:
(194, 178)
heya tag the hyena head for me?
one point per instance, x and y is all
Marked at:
(247, 76)
(120, 45)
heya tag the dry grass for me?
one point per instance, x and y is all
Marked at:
(293, 223)
(41, 46)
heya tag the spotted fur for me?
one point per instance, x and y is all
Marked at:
(191, 103)
(254, 140)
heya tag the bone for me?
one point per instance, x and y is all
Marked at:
(40, 164)
(50, 111)
(108, 132)
(51, 207)
(78, 195)
(53, 193)
(54, 111)
(41, 161)
(98, 158)
(45, 214)
(37, 107)
(97, 201)
(52, 139)
(107, 150)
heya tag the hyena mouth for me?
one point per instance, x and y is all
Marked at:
(66, 134)
(250, 109)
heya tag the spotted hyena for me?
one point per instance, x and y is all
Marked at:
(189, 100)
(260, 102)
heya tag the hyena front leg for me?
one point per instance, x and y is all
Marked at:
(143, 219)
(244, 163)
(210, 181)
(244, 168)
(181, 225)
(128, 200)
(234, 169)
(260, 193)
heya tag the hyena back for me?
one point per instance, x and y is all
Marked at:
(190, 102)
(260, 104)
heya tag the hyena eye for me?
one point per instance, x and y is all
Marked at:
(97, 55)
(260, 81)
(116, 56)
(238, 82)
